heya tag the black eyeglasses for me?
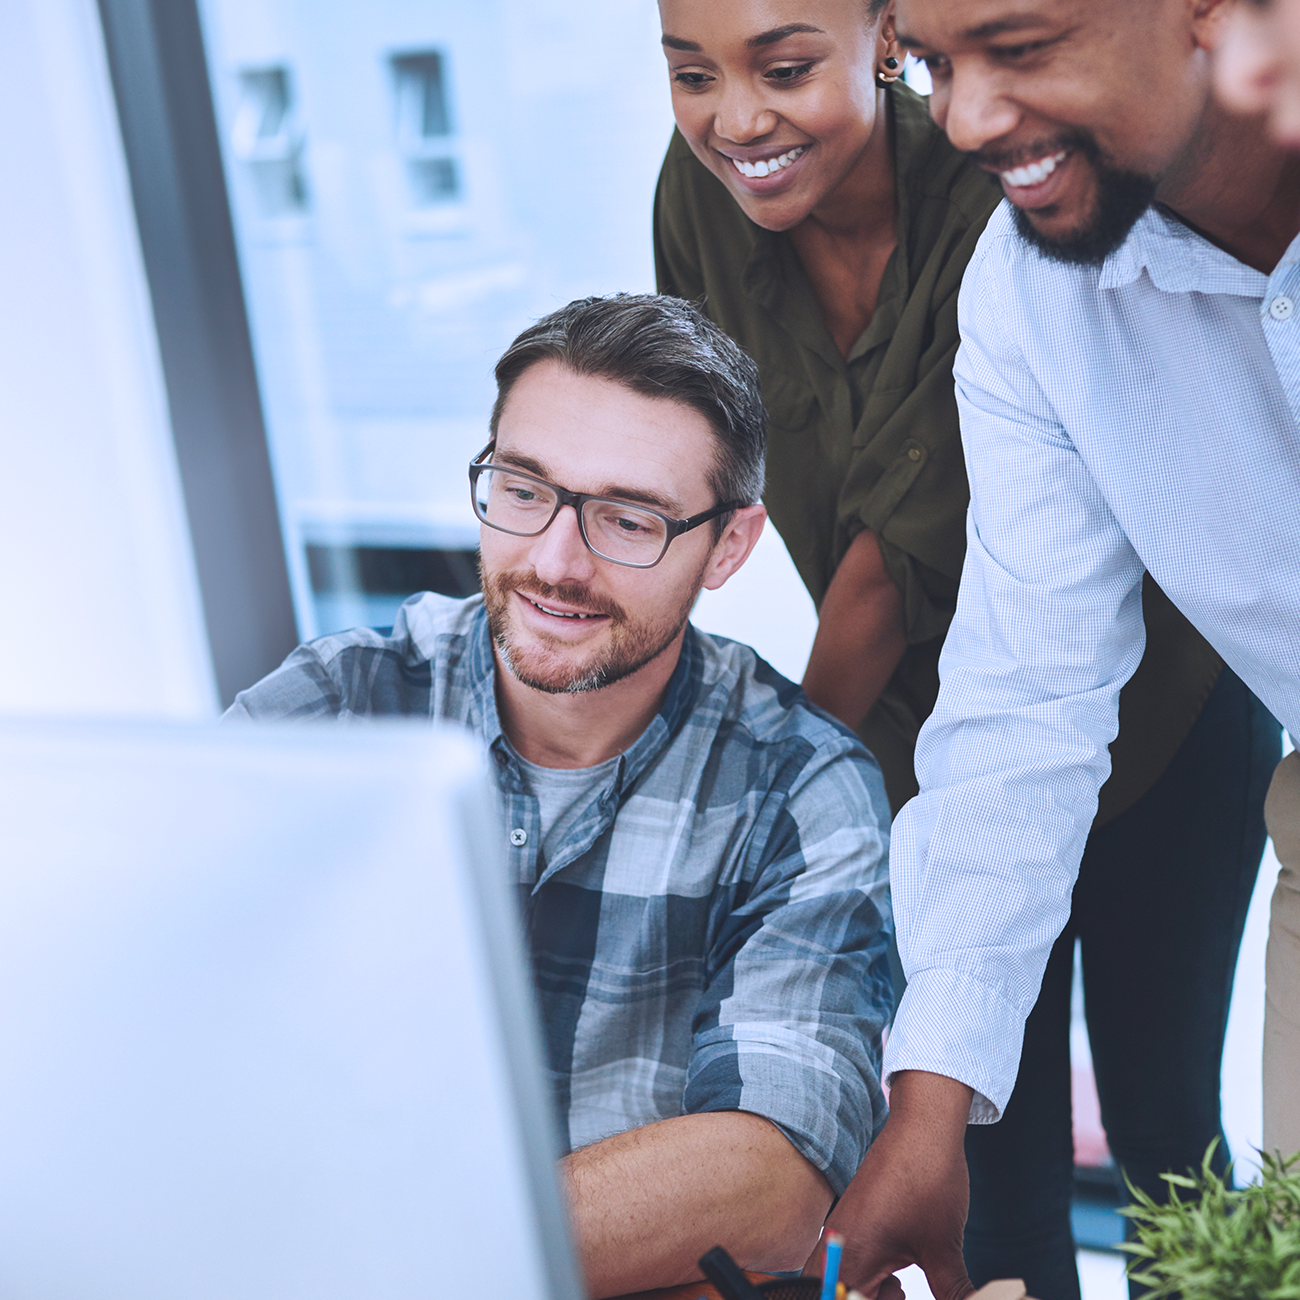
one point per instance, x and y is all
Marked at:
(524, 505)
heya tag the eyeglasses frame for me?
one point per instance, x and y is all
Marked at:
(563, 497)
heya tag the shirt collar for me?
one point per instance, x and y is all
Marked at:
(914, 137)
(679, 699)
(482, 679)
(1178, 260)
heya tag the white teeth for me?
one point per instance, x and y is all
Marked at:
(767, 166)
(559, 613)
(1034, 173)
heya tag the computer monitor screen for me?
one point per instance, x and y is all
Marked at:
(265, 1021)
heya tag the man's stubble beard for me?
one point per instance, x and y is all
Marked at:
(1122, 198)
(630, 646)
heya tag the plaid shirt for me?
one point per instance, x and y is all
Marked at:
(712, 935)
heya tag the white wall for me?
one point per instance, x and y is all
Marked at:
(99, 605)
(765, 605)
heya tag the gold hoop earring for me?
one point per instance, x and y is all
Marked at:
(885, 78)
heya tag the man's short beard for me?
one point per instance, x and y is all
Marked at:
(1122, 197)
(631, 647)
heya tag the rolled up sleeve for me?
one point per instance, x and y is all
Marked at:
(799, 991)
(301, 687)
(917, 506)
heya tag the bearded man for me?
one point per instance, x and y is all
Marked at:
(700, 854)
(1129, 391)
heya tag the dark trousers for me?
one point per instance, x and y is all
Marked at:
(1158, 910)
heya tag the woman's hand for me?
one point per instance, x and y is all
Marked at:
(860, 637)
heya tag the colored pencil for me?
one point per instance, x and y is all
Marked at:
(831, 1269)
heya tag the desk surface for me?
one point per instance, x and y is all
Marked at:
(1002, 1290)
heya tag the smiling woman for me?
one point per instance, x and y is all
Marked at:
(811, 207)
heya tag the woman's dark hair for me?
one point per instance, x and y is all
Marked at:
(660, 347)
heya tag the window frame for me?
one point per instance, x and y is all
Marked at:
(168, 122)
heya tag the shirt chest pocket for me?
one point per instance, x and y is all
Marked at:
(659, 939)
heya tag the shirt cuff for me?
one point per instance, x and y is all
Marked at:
(950, 1023)
(829, 1115)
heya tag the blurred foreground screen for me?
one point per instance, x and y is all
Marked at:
(267, 1029)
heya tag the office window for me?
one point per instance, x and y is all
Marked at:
(424, 128)
(443, 220)
(356, 585)
(268, 143)
(471, 167)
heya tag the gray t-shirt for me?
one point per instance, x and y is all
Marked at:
(563, 795)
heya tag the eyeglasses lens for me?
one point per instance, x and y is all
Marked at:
(512, 502)
(614, 529)
(622, 532)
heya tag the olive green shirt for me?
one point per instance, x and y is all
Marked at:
(872, 440)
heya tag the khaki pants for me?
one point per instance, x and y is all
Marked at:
(1282, 997)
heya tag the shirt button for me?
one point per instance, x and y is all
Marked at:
(914, 453)
(519, 837)
(1281, 307)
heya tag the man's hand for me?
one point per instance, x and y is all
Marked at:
(908, 1202)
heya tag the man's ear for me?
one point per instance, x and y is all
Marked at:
(733, 547)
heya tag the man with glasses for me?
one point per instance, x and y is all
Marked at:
(701, 855)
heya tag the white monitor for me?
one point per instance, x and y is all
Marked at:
(265, 1027)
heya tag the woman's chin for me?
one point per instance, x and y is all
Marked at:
(775, 212)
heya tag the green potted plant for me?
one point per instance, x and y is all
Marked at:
(1217, 1242)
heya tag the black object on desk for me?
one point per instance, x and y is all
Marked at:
(732, 1284)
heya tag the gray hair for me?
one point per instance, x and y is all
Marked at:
(660, 347)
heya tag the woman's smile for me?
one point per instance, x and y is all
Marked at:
(762, 171)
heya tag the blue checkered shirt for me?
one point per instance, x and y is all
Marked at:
(1139, 415)
(712, 935)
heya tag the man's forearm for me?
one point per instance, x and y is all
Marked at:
(932, 1105)
(648, 1203)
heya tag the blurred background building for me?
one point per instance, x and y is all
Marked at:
(412, 184)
